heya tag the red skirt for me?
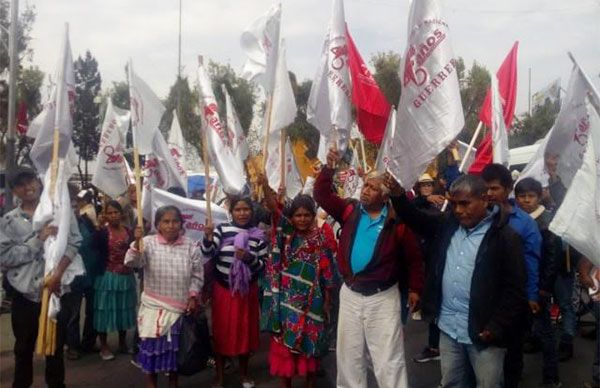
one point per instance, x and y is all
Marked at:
(284, 363)
(235, 321)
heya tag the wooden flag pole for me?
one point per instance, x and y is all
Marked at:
(362, 149)
(267, 130)
(206, 159)
(283, 161)
(138, 190)
(470, 148)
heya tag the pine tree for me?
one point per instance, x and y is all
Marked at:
(86, 115)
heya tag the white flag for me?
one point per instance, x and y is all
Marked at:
(430, 113)
(567, 139)
(577, 220)
(177, 144)
(57, 112)
(58, 212)
(386, 150)
(260, 43)
(499, 134)
(293, 180)
(350, 179)
(160, 171)
(229, 168)
(192, 210)
(146, 112)
(329, 103)
(237, 138)
(283, 109)
(111, 174)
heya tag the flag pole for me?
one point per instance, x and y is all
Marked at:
(205, 159)
(595, 103)
(137, 171)
(267, 130)
(362, 150)
(470, 147)
(283, 162)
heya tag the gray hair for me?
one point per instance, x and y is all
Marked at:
(385, 191)
(472, 184)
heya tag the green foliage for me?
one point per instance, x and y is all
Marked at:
(530, 128)
(86, 115)
(26, 20)
(387, 75)
(300, 129)
(242, 92)
(473, 88)
(184, 100)
(120, 95)
(28, 89)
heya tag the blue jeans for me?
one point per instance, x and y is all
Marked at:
(457, 361)
(563, 291)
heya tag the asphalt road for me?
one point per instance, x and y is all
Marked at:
(90, 371)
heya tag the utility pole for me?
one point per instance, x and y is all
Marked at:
(529, 94)
(12, 99)
(179, 51)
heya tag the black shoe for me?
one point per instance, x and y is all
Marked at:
(565, 352)
(428, 354)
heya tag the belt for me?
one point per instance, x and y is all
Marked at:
(371, 289)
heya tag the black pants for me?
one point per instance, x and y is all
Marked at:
(434, 336)
(74, 339)
(25, 319)
(513, 361)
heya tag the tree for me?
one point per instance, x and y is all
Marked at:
(530, 128)
(120, 95)
(28, 89)
(387, 75)
(86, 114)
(184, 100)
(473, 88)
(301, 129)
(242, 92)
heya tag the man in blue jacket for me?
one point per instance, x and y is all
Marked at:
(498, 180)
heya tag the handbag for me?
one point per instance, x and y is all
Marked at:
(194, 345)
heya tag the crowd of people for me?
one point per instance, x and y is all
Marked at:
(472, 255)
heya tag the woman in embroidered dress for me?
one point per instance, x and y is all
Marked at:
(238, 251)
(115, 290)
(301, 275)
(173, 278)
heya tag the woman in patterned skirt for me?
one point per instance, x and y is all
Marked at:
(238, 251)
(173, 278)
(301, 276)
(115, 290)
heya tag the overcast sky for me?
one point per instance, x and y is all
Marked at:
(146, 31)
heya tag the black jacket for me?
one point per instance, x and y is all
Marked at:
(498, 298)
(551, 252)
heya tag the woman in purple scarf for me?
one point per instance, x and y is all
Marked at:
(238, 251)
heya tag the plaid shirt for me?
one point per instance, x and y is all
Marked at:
(21, 252)
(172, 271)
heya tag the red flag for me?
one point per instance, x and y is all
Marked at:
(507, 86)
(22, 122)
(372, 108)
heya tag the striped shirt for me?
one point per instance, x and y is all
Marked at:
(172, 271)
(225, 255)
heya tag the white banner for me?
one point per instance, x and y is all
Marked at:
(111, 174)
(146, 112)
(329, 103)
(57, 112)
(229, 167)
(499, 134)
(293, 180)
(260, 43)
(386, 150)
(430, 113)
(193, 212)
(350, 180)
(237, 138)
(177, 143)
